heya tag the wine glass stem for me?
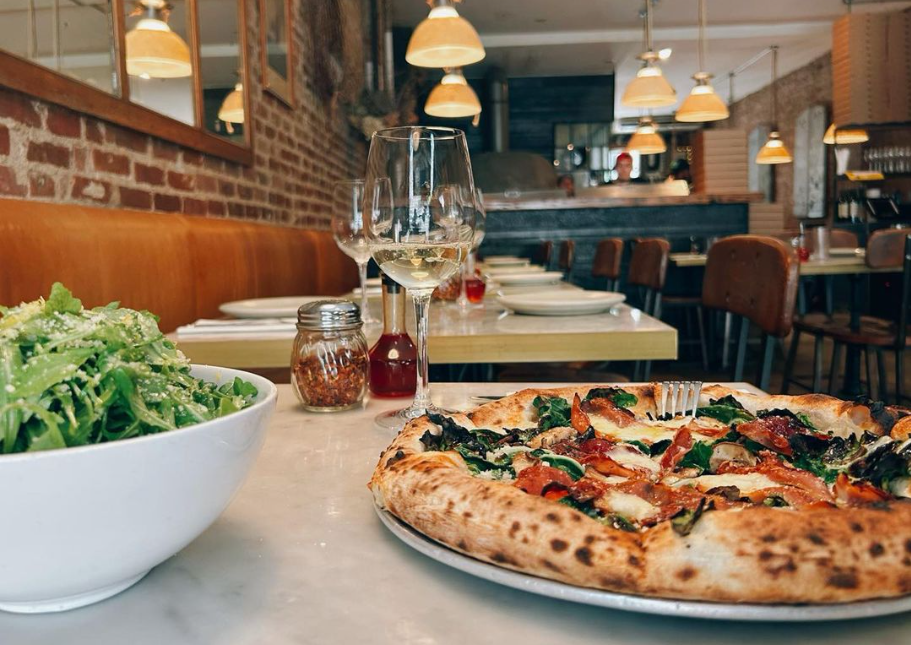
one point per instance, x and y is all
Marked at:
(362, 271)
(422, 317)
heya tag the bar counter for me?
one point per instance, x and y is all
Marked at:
(518, 227)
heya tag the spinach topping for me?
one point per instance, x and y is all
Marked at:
(697, 457)
(567, 464)
(727, 409)
(620, 398)
(815, 465)
(553, 412)
(684, 521)
(452, 434)
(477, 463)
(653, 450)
(587, 508)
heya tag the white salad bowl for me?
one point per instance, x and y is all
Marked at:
(79, 525)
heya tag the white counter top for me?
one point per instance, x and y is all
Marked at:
(300, 557)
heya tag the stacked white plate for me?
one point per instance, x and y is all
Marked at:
(498, 271)
(529, 277)
(281, 307)
(505, 261)
(562, 303)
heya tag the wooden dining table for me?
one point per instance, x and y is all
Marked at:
(300, 557)
(833, 265)
(485, 335)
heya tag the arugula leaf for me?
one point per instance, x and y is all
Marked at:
(553, 412)
(727, 414)
(61, 301)
(684, 521)
(656, 448)
(476, 463)
(816, 466)
(619, 397)
(567, 464)
(644, 447)
(697, 457)
(805, 420)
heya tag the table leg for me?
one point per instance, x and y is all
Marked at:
(851, 386)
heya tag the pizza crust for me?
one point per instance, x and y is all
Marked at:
(753, 555)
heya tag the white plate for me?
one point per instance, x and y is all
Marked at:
(505, 261)
(532, 277)
(562, 303)
(531, 268)
(374, 282)
(281, 307)
(639, 604)
(848, 251)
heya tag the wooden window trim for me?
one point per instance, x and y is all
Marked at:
(48, 85)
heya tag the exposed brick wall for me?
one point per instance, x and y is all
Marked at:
(802, 88)
(50, 153)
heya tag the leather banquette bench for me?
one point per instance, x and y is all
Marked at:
(180, 268)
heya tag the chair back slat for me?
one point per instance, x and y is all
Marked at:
(545, 253)
(648, 263)
(902, 328)
(754, 277)
(567, 255)
(608, 257)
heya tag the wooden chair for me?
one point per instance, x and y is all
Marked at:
(886, 248)
(545, 254)
(566, 258)
(647, 273)
(606, 265)
(754, 277)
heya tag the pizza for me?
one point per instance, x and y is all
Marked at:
(754, 499)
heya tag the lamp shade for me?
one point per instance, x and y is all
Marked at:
(156, 51)
(646, 139)
(453, 98)
(232, 108)
(702, 104)
(444, 39)
(774, 151)
(649, 89)
(846, 136)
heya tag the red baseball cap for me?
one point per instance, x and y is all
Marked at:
(624, 155)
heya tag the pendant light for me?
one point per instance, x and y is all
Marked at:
(646, 139)
(703, 104)
(844, 136)
(444, 39)
(453, 97)
(152, 49)
(649, 89)
(232, 108)
(774, 151)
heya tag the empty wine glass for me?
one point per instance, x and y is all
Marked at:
(421, 223)
(350, 233)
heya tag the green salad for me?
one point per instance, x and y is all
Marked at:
(71, 376)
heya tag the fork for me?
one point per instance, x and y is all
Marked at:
(677, 397)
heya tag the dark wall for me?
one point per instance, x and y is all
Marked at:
(537, 104)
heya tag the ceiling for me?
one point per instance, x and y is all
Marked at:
(569, 37)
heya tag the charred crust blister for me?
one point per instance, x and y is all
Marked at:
(394, 459)
(559, 545)
(584, 555)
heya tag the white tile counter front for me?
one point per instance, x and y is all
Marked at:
(300, 557)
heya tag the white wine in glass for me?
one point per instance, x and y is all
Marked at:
(419, 198)
(350, 233)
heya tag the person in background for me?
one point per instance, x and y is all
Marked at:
(567, 183)
(624, 168)
(680, 170)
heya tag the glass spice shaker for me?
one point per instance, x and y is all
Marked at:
(329, 361)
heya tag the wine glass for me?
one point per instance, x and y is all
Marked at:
(468, 267)
(421, 223)
(350, 234)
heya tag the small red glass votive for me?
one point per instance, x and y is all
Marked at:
(474, 290)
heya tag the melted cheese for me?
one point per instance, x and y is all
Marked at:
(629, 506)
(746, 484)
(652, 431)
(633, 458)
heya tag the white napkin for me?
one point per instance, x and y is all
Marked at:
(208, 327)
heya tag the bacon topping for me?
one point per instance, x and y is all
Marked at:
(534, 480)
(607, 466)
(668, 500)
(779, 472)
(620, 417)
(680, 445)
(596, 446)
(578, 418)
(857, 493)
(775, 432)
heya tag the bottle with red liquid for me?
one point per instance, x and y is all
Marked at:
(394, 357)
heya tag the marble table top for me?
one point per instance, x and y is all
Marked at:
(300, 557)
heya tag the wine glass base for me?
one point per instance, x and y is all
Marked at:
(397, 419)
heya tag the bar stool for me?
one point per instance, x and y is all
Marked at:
(566, 258)
(754, 277)
(647, 272)
(608, 258)
(889, 248)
